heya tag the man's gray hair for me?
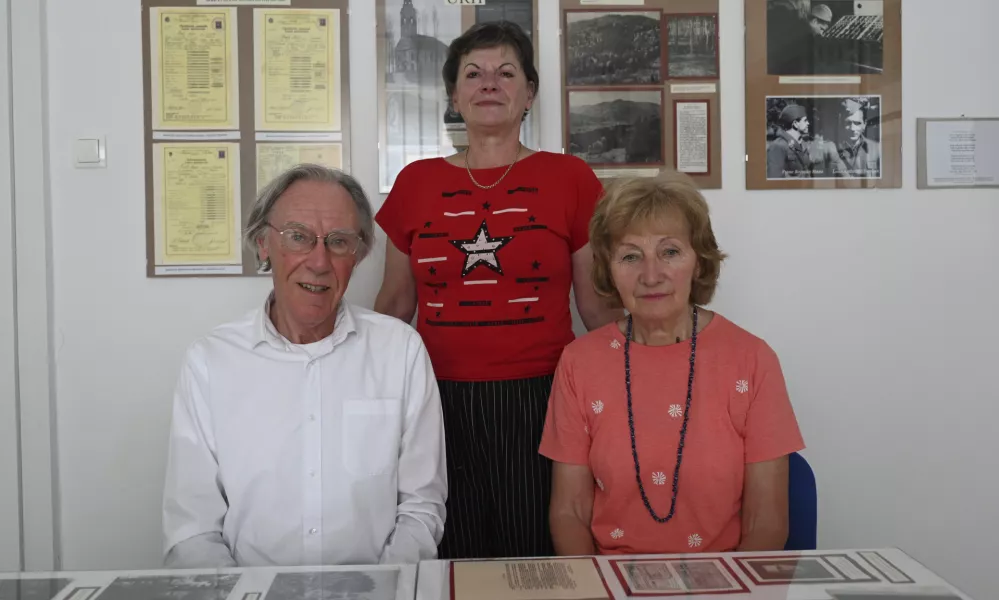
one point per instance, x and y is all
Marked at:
(256, 225)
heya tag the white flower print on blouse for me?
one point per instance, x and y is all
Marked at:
(617, 533)
(742, 386)
(659, 478)
(600, 484)
(615, 344)
(694, 540)
(675, 411)
(598, 407)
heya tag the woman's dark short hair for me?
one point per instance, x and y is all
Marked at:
(493, 34)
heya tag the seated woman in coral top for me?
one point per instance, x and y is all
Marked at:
(669, 429)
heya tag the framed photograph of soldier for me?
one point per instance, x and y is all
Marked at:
(416, 119)
(640, 87)
(823, 94)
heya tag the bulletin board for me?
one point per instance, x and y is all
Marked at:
(640, 87)
(236, 91)
(823, 94)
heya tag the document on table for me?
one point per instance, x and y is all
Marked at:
(297, 81)
(196, 203)
(557, 579)
(193, 69)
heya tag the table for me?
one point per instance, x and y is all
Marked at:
(378, 582)
(882, 574)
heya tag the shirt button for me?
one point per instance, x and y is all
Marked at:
(313, 531)
(312, 417)
(312, 473)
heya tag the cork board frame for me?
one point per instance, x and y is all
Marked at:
(829, 99)
(687, 73)
(247, 140)
(421, 107)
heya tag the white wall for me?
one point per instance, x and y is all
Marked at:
(880, 303)
(10, 491)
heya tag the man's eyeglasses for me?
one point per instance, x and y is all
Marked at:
(302, 240)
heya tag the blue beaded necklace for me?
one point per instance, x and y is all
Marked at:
(683, 429)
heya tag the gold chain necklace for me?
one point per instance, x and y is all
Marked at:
(488, 187)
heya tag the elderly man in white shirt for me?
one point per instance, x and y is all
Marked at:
(308, 432)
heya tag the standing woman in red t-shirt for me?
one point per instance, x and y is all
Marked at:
(485, 245)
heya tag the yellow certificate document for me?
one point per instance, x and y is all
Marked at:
(196, 208)
(298, 69)
(274, 159)
(194, 75)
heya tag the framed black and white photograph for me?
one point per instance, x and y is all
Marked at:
(823, 137)
(613, 47)
(619, 128)
(32, 589)
(825, 37)
(416, 118)
(171, 587)
(334, 585)
(692, 46)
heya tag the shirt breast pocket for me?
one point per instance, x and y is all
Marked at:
(371, 431)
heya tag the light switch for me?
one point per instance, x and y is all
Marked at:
(89, 153)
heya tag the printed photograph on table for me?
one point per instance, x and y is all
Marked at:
(615, 127)
(32, 588)
(692, 46)
(613, 47)
(888, 570)
(170, 587)
(334, 585)
(676, 576)
(416, 119)
(825, 37)
(823, 137)
(826, 568)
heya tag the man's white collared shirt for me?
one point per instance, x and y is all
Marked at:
(326, 453)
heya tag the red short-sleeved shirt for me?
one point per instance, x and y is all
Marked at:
(739, 413)
(493, 267)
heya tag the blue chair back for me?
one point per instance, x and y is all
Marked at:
(802, 505)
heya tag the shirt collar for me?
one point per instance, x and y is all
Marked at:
(266, 332)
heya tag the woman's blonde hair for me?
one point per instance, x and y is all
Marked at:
(636, 203)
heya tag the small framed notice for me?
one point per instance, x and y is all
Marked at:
(957, 153)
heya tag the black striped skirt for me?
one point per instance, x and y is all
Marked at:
(498, 485)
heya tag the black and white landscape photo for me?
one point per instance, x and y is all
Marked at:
(693, 46)
(613, 48)
(31, 589)
(824, 137)
(171, 587)
(616, 128)
(825, 37)
(334, 585)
